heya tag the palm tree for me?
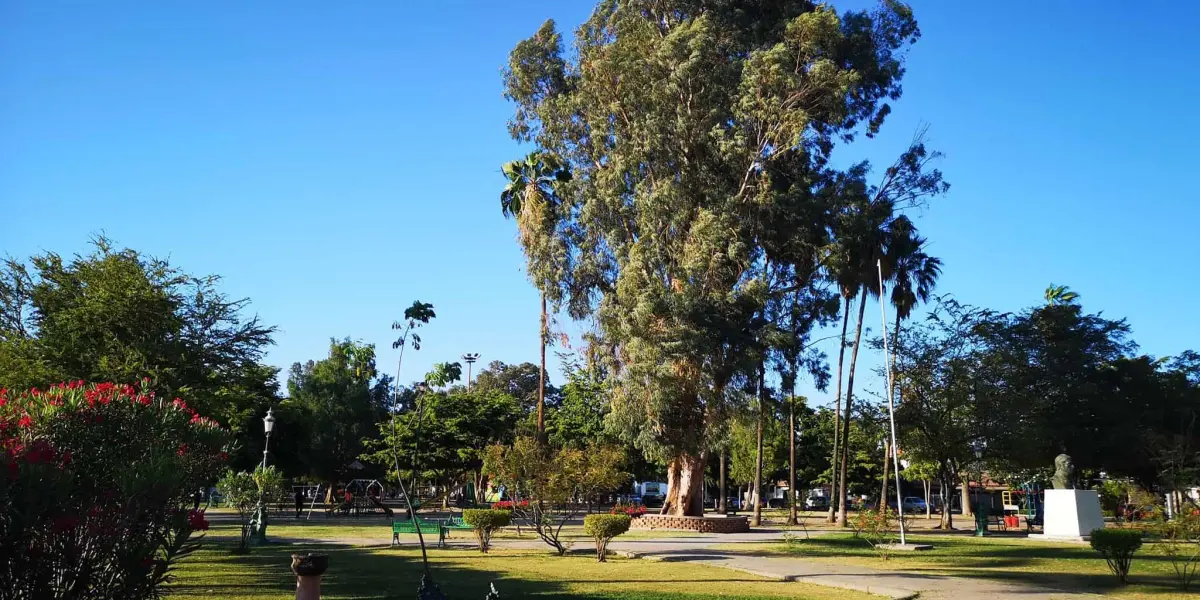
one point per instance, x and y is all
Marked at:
(1057, 295)
(531, 198)
(914, 275)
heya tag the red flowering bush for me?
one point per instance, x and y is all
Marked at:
(632, 509)
(509, 505)
(95, 484)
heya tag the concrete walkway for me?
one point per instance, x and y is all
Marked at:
(702, 549)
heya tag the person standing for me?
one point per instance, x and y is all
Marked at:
(299, 501)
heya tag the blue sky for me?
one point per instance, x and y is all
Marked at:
(336, 161)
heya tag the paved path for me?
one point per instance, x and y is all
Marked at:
(702, 549)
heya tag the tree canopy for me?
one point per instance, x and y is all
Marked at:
(118, 315)
(697, 135)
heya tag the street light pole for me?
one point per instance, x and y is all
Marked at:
(261, 509)
(887, 363)
(470, 359)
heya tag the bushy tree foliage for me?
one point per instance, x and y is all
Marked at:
(118, 315)
(550, 486)
(97, 488)
(335, 400)
(695, 133)
(447, 437)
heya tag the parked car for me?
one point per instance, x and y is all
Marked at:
(816, 503)
(912, 504)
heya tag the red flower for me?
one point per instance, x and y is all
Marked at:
(196, 521)
(183, 448)
(66, 457)
(64, 523)
(25, 421)
(98, 418)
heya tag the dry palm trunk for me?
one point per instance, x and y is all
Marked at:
(541, 406)
(843, 515)
(792, 520)
(835, 498)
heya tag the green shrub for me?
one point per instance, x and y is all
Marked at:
(1117, 546)
(485, 521)
(604, 528)
(1181, 544)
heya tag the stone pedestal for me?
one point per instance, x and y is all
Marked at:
(309, 568)
(1071, 515)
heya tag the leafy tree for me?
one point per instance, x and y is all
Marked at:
(241, 492)
(447, 437)
(938, 374)
(118, 315)
(519, 381)
(685, 126)
(744, 452)
(444, 374)
(580, 417)
(1060, 370)
(924, 471)
(871, 233)
(334, 395)
(531, 196)
(549, 486)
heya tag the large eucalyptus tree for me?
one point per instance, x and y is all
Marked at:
(681, 122)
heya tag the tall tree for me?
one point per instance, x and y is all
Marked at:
(118, 315)
(913, 278)
(866, 230)
(335, 395)
(531, 197)
(674, 120)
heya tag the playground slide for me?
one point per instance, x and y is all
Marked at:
(379, 504)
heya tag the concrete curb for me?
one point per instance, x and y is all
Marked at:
(893, 593)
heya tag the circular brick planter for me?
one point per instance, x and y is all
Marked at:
(713, 524)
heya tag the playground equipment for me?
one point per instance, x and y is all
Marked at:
(1033, 503)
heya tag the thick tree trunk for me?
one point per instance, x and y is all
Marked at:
(928, 506)
(792, 460)
(946, 493)
(835, 498)
(758, 453)
(968, 510)
(721, 502)
(541, 405)
(685, 483)
(843, 516)
(884, 490)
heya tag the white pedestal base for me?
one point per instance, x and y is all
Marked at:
(1071, 515)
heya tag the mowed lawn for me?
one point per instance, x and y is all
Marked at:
(381, 572)
(1065, 567)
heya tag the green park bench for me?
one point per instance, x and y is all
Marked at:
(453, 524)
(426, 527)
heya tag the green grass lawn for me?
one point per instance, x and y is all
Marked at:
(393, 573)
(1073, 567)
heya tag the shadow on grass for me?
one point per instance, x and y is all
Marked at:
(364, 573)
(1004, 559)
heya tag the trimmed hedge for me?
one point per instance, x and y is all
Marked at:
(1117, 546)
(604, 528)
(485, 521)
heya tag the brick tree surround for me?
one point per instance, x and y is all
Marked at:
(701, 524)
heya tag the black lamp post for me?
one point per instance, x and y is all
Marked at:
(261, 509)
(981, 513)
